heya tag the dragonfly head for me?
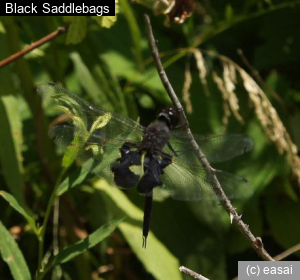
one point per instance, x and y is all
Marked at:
(169, 116)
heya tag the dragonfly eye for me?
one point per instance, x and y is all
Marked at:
(169, 116)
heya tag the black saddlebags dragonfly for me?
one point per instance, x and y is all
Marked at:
(157, 159)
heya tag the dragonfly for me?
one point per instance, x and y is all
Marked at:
(158, 159)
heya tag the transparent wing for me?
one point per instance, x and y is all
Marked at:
(190, 182)
(97, 130)
(185, 178)
(217, 148)
(99, 134)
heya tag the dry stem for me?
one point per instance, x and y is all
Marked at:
(33, 46)
(257, 246)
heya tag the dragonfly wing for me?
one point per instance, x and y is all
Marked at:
(90, 124)
(62, 135)
(93, 132)
(87, 118)
(183, 182)
(186, 179)
(102, 158)
(217, 148)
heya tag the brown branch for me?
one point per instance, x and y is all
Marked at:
(244, 229)
(283, 255)
(192, 273)
(33, 46)
(288, 252)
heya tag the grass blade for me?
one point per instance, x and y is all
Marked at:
(10, 137)
(72, 251)
(157, 260)
(12, 255)
(15, 204)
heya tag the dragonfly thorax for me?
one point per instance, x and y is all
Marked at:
(156, 136)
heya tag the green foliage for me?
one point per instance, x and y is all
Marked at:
(78, 25)
(12, 255)
(77, 29)
(106, 61)
(75, 178)
(284, 226)
(74, 250)
(14, 204)
(11, 130)
(108, 21)
(156, 258)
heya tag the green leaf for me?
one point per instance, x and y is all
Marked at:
(283, 217)
(12, 255)
(100, 122)
(229, 14)
(14, 203)
(88, 82)
(108, 21)
(72, 251)
(149, 80)
(72, 152)
(156, 258)
(77, 29)
(76, 178)
(126, 67)
(136, 36)
(11, 130)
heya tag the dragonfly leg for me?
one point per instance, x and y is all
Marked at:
(166, 159)
(164, 163)
(172, 149)
(130, 145)
(126, 148)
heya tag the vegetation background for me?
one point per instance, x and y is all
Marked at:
(107, 62)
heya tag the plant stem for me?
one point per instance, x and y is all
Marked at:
(33, 46)
(256, 243)
(192, 273)
(41, 238)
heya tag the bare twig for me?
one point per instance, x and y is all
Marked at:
(244, 229)
(288, 252)
(33, 46)
(192, 273)
(283, 255)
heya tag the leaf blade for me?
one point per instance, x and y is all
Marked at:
(12, 255)
(76, 178)
(108, 21)
(81, 246)
(157, 259)
(77, 30)
(15, 204)
(11, 129)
